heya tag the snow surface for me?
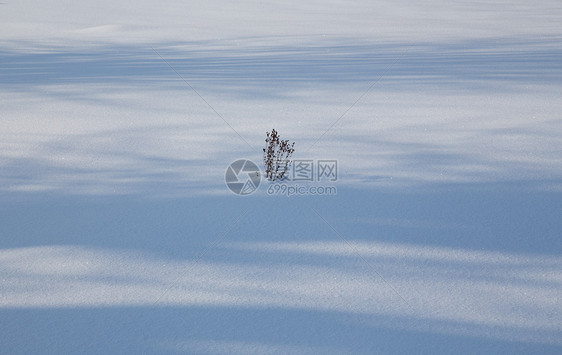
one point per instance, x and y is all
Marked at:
(118, 121)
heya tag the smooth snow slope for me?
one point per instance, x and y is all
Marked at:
(117, 123)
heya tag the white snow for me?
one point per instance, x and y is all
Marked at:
(442, 284)
(119, 119)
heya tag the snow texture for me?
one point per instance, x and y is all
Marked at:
(118, 121)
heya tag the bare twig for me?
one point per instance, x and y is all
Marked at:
(276, 156)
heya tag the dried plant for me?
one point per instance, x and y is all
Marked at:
(276, 156)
